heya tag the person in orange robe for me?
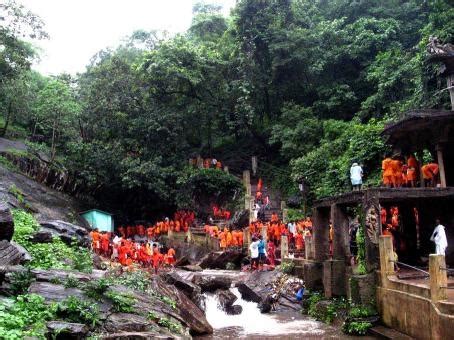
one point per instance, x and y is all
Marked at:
(234, 238)
(299, 241)
(430, 172)
(105, 244)
(222, 240)
(259, 185)
(412, 171)
(122, 231)
(219, 165)
(156, 259)
(277, 233)
(395, 218)
(387, 172)
(228, 237)
(396, 167)
(383, 216)
(171, 259)
(95, 240)
(177, 226)
(150, 232)
(274, 217)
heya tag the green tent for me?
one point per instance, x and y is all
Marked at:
(98, 219)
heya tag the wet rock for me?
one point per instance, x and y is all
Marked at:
(211, 283)
(42, 236)
(226, 298)
(137, 335)
(218, 260)
(188, 288)
(66, 231)
(66, 330)
(124, 322)
(182, 261)
(9, 254)
(192, 268)
(200, 301)
(234, 310)
(187, 312)
(6, 222)
(248, 293)
(98, 263)
(321, 307)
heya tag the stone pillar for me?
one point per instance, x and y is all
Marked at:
(340, 225)
(308, 247)
(284, 215)
(188, 236)
(199, 162)
(441, 166)
(254, 165)
(170, 234)
(450, 83)
(246, 237)
(372, 229)
(320, 227)
(438, 278)
(421, 163)
(386, 258)
(334, 280)
(284, 246)
(246, 177)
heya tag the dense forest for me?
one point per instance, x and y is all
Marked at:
(305, 85)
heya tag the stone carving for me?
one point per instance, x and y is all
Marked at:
(372, 224)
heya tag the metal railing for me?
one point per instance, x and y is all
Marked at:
(409, 266)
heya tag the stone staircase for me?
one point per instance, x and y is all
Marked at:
(275, 201)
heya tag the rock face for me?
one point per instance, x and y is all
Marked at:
(192, 268)
(66, 330)
(9, 254)
(211, 283)
(218, 260)
(66, 231)
(124, 322)
(6, 222)
(248, 293)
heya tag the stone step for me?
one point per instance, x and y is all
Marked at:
(388, 333)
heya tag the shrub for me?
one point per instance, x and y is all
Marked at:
(20, 281)
(138, 280)
(356, 327)
(76, 310)
(287, 267)
(122, 302)
(71, 282)
(97, 288)
(170, 325)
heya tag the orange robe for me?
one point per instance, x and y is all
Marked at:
(387, 171)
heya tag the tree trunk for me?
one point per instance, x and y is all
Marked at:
(8, 118)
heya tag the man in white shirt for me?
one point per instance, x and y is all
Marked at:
(356, 176)
(254, 250)
(439, 237)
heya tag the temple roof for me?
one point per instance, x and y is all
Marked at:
(425, 126)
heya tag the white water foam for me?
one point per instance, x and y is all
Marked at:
(252, 322)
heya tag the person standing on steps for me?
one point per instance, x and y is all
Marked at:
(439, 237)
(254, 250)
(262, 252)
(356, 176)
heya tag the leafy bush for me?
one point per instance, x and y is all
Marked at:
(97, 288)
(362, 312)
(356, 327)
(122, 302)
(20, 281)
(71, 282)
(138, 280)
(76, 310)
(55, 254)
(287, 267)
(170, 325)
(295, 215)
(16, 192)
(25, 317)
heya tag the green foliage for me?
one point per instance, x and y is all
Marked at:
(361, 311)
(230, 266)
(122, 302)
(95, 289)
(168, 301)
(25, 316)
(172, 326)
(20, 281)
(137, 280)
(361, 243)
(295, 215)
(16, 192)
(71, 282)
(356, 327)
(76, 310)
(202, 187)
(55, 254)
(287, 267)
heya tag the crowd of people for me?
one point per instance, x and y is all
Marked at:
(221, 213)
(400, 172)
(207, 163)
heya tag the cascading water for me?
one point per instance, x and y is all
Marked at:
(251, 323)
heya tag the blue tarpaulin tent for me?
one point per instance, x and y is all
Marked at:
(98, 219)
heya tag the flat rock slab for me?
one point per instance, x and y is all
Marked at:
(126, 322)
(211, 283)
(192, 268)
(6, 222)
(60, 274)
(52, 292)
(66, 231)
(66, 330)
(9, 254)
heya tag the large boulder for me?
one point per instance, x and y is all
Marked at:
(226, 300)
(211, 283)
(66, 231)
(188, 288)
(24, 254)
(52, 292)
(219, 260)
(42, 236)
(248, 293)
(61, 330)
(124, 322)
(6, 222)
